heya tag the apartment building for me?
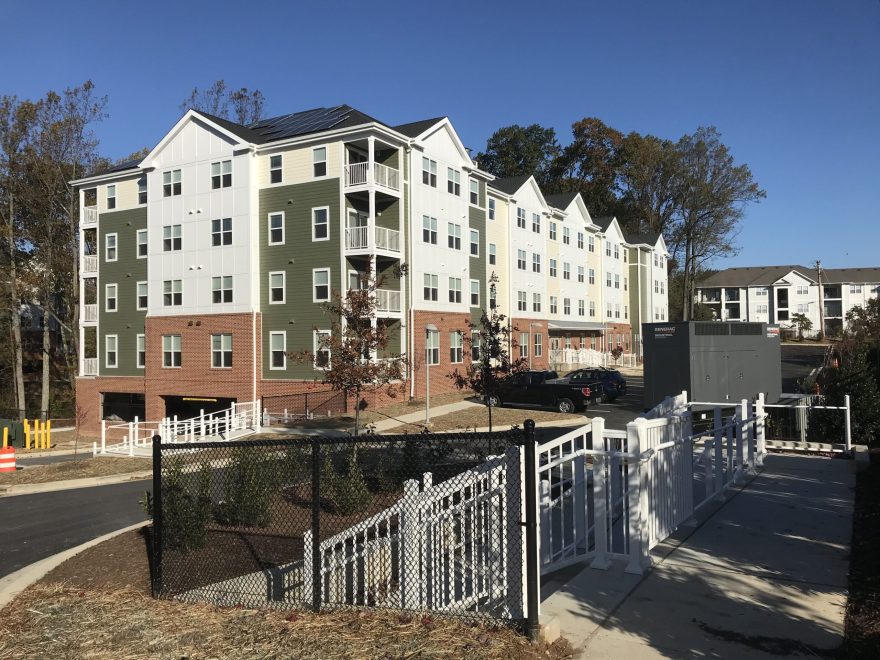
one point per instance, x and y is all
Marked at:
(773, 294)
(206, 264)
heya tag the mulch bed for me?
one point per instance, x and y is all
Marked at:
(863, 605)
(77, 469)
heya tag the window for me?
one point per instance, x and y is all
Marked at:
(656, 286)
(616, 281)
(276, 228)
(172, 238)
(320, 284)
(566, 235)
(221, 232)
(221, 289)
(453, 181)
(278, 350)
(553, 305)
(221, 351)
(552, 231)
(592, 276)
(536, 223)
(277, 287)
(432, 347)
(566, 306)
(581, 274)
(111, 355)
(656, 262)
(221, 174)
(536, 263)
(475, 293)
(591, 244)
(319, 161)
(521, 259)
(521, 218)
(455, 289)
(429, 230)
(853, 288)
(275, 171)
(171, 184)
(592, 308)
(553, 268)
(321, 224)
(142, 190)
(539, 344)
(455, 347)
(524, 344)
(491, 209)
(142, 298)
(803, 290)
(172, 293)
(581, 240)
(566, 270)
(321, 349)
(453, 235)
(141, 243)
(536, 302)
(801, 308)
(616, 251)
(617, 311)
(607, 248)
(475, 243)
(662, 286)
(581, 308)
(761, 292)
(429, 172)
(475, 345)
(626, 285)
(493, 254)
(111, 243)
(521, 303)
(171, 351)
(110, 297)
(625, 253)
(626, 311)
(762, 309)
(111, 197)
(608, 310)
(608, 280)
(475, 192)
(431, 287)
(141, 351)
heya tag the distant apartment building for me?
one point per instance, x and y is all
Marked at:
(206, 264)
(773, 294)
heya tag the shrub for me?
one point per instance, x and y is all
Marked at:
(248, 484)
(185, 514)
(345, 493)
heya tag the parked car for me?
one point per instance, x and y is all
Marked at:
(545, 389)
(613, 384)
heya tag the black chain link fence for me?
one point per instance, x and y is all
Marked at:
(430, 522)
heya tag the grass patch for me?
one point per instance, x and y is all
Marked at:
(76, 469)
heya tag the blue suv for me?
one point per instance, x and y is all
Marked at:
(613, 383)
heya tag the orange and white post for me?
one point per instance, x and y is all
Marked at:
(7, 453)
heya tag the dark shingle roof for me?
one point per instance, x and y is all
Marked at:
(605, 222)
(561, 200)
(647, 238)
(122, 167)
(854, 275)
(511, 184)
(754, 276)
(416, 128)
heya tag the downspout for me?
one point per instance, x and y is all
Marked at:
(409, 279)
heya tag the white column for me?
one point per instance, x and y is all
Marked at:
(741, 437)
(848, 422)
(600, 498)
(637, 494)
(760, 436)
(718, 486)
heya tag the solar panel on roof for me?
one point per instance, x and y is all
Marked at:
(300, 123)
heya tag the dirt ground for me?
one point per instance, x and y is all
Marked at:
(478, 417)
(79, 469)
(97, 605)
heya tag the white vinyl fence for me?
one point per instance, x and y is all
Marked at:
(577, 358)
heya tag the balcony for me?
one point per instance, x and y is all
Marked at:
(90, 366)
(387, 301)
(90, 264)
(710, 296)
(89, 216)
(358, 174)
(90, 314)
(357, 238)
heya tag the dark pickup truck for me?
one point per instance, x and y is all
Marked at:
(542, 389)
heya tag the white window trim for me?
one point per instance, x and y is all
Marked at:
(115, 297)
(321, 208)
(107, 351)
(137, 353)
(470, 192)
(326, 161)
(314, 272)
(115, 236)
(315, 333)
(471, 293)
(470, 243)
(111, 186)
(283, 274)
(172, 351)
(269, 228)
(221, 351)
(137, 302)
(281, 333)
(137, 243)
(280, 169)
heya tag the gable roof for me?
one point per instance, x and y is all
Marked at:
(561, 200)
(416, 128)
(854, 275)
(509, 185)
(121, 167)
(604, 222)
(753, 276)
(647, 238)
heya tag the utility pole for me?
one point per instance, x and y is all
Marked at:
(821, 300)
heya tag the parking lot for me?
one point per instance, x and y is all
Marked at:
(625, 409)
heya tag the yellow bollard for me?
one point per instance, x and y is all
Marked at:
(38, 434)
(27, 435)
(49, 434)
(42, 435)
(5, 437)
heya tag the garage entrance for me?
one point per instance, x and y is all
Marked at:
(186, 407)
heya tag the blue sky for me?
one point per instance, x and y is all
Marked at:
(793, 85)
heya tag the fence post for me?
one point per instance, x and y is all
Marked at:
(687, 432)
(848, 437)
(760, 431)
(741, 437)
(637, 495)
(157, 515)
(533, 578)
(316, 525)
(410, 531)
(103, 435)
(718, 422)
(600, 499)
(750, 435)
(512, 531)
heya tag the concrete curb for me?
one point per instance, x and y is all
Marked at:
(71, 484)
(14, 583)
(24, 453)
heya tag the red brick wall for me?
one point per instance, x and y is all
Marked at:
(522, 325)
(88, 397)
(446, 322)
(611, 337)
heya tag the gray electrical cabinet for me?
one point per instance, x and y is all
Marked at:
(714, 361)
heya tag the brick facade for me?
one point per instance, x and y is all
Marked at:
(618, 334)
(88, 398)
(532, 327)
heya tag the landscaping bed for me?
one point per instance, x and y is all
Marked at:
(97, 605)
(478, 417)
(76, 469)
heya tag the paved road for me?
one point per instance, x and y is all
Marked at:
(797, 362)
(626, 408)
(33, 527)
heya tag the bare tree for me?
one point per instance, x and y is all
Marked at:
(241, 105)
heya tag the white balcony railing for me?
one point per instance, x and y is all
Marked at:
(90, 263)
(90, 215)
(388, 239)
(386, 176)
(387, 300)
(358, 174)
(357, 238)
(90, 313)
(90, 367)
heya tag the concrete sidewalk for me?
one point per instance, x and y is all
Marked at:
(764, 576)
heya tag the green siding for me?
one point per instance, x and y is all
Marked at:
(299, 316)
(478, 264)
(127, 322)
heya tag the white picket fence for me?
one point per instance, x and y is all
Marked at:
(577, 358)
(237, 421)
